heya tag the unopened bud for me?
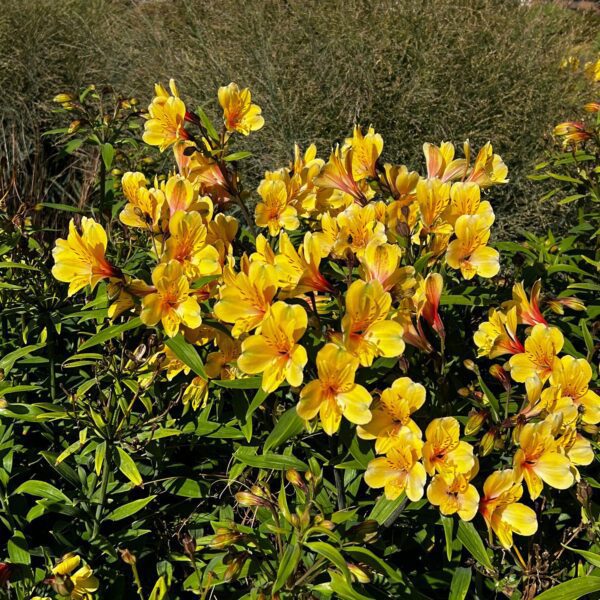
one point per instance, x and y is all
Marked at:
(62, 98)
(189, 545)
(234, 567)
(487, 443)
(358, 573)
(557, 304)
(127, 557)
(74, 126)
(590, 429)
(295, 479)
(465, 392)
(470, 365)
(497, 372)
(475, 422)
(248, 499)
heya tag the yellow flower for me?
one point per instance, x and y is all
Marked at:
(171, 303)
(275, 352)
(337, 174)
(399, 471)
(443, 449)
(465, 199)
(367, 331)
(379, 262)
(196, 393)
(453, 493)
(498, 335)
(441, 163)
(571, 378)
(392, 414)
(239, 114)
(76, 586)
(528, 309)
(541, 348)
(245, 298)
(433, 197)
(489, 169)
(222, 364)
(79, 260)
(401, 183)
(366, 149)
(468, 252)
(538, 460)
(167, 118)
(179, 194)
(187, 245)
(357, 227)
(144, 206)
(274, 211)
(334, 394)
(502, 511)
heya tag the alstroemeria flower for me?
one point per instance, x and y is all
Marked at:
(366, 149)
(275, 351)
(167, 118)
(502, 511)
(171, 303)
(498, 335)
(334, 394)
(79, 585)
(239, 114)
(392, 414)
(399, 471)
(454, 493)
(444, 450)
(539, 461)
(274, 211)
(366, 330)
(528, 309)
(541, 348)
(80, 259)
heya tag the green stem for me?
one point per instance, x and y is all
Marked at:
(339, 483)
(103, 489)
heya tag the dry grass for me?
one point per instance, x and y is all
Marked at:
(418, 70)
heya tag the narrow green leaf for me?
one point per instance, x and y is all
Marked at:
(448, 524)
(571, 590)
(109, 333)
(205, 120)
(128, 467)
(269, 460)
(246, 383)
(364, 555)
(99, 457)
(591, 557)
(332, 554)
(238, 156)
(13, 265)
(471, 540)
(7, 362)
(108, 154)
(159, 591)
(384, 509)
(129, 509)
(42, 489)
(288, 564)
(461, 580)
(187, 354)
(288, 426)
(17, 549)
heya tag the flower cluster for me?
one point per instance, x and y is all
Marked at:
(344, 264)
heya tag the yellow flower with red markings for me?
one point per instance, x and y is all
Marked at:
(489, 169)
(541, 347)
(400, 470)
(172, 303)
(239, 114)
(79, 585)
(80, 259)
(441, 163)
(538, 459)
(465, 199)
(357, 227)
(433, 196)
(443, 448)
(334, 394)
(275, 351)
(367, 332)
(498, 335)
(245, 297)
(454, 494)
(380, 262)
(165, 125)
(366, 149)
(528, 309)
(469, 252)
(392, 413)
(501, 509)
(274, 211)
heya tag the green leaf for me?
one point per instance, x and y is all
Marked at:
(571, 590)
(448, 524)
(205, 120)
(55, 206)
(238, 156)
(246, 383)
(7, 362)
(591, 557)
(332, 554)
(587, 338)
(494, 404)
(17, 549)
(108, 154)
(159, 591)
(288, 564)
(34, 487)
(384, 508)
(288, 426)
(461, 580)
(128, 467)
(129, 509)
(187, 354)
(99, 457)
(363, 555)
(344, 589)
(13, 265)
(471, 540)
(109, 333)
(185, 487)
(269, 460)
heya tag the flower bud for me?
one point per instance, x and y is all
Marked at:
(127, 557)
(590, 429)
(358, 573)
(470, 365)
(464, 392)
(234, 567)
(62, 98)
(592, 107)
(557, 304)
(497, 372)
(295, 479)
(189, 545)
(74, 126)
(487, 442)
(248, 499)
(475, 422)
